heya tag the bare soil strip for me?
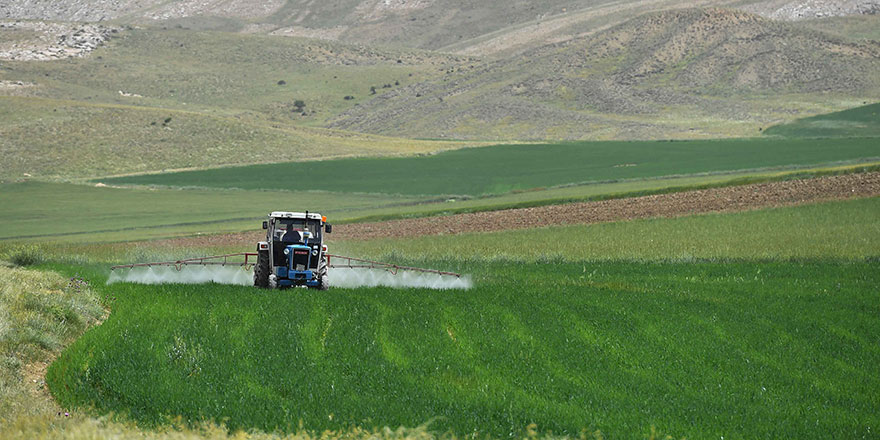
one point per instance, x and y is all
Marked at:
(727, 199)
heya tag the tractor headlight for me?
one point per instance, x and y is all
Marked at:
(315, 252)
(286, 251)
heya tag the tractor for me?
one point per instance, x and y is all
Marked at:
(294, 253)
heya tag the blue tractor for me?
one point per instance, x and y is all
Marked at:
(294, 254)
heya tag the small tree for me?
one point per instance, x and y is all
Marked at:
(299, 105)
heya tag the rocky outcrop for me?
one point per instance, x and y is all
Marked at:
(803, 10)
(52, 41)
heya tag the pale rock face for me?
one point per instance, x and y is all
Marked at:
(71, 10)
(810, 9)
(52, 41)
(222, 8)
(377, 9)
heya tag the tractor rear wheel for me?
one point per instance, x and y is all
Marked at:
(261, 270)
(322, 275)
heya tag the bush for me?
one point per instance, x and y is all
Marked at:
(25, 255)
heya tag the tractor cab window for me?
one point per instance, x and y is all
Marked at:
(291, 230)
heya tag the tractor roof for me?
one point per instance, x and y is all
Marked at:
(286, 214)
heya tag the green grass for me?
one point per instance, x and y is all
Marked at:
(501, 169)
(563, 329)
(42, 311)
(842, 229)
(698, 350)
(861, 121)
(67, 212)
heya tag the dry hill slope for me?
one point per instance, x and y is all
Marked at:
(477, 27)
(633, 80)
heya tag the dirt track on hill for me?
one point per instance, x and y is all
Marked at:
(728, 199)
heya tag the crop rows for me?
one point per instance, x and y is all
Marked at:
(698, 350)
(502, 169)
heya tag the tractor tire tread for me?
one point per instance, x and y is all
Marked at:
(261, 270)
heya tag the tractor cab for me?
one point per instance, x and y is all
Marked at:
(293, 253)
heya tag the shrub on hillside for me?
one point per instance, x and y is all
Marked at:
(24, 255)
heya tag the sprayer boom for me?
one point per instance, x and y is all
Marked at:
(359, 263)
(333, 261)
(249, 258)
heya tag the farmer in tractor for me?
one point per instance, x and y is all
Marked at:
(292, 235)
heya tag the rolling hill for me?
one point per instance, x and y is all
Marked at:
(154, 99)
(667, 74)
(245, 98)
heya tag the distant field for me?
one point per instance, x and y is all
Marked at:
(501, 169)
(95, 214)
(65, 212)
(843, 229)
(704, 350)
(856, 122)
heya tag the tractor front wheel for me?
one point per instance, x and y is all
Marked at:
(261, 270)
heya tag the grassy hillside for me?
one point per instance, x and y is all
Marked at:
(39, 315)
(229, 73)
(681, 73)
(567, 346)
(501, 169)
(69, 139)
(861, 121)
(855, 28)
(153, 99)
